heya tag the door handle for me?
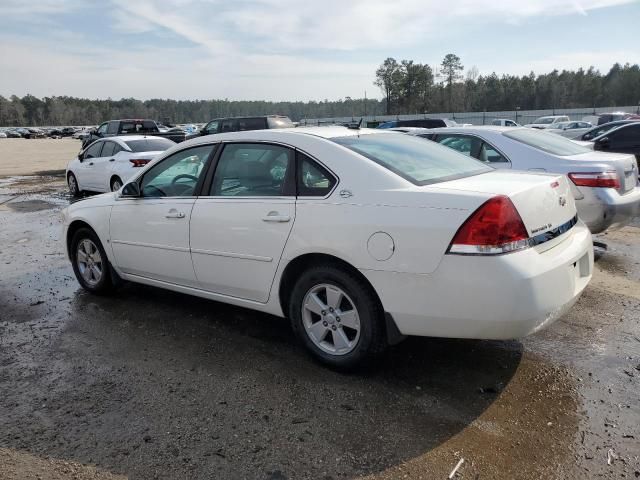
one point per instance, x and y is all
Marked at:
(112, 159)
(90, 163)
(276, 217)
(174, 214)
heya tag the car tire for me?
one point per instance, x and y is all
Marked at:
(90, 263)
(349, 331)
(74, 187)
(116, 184)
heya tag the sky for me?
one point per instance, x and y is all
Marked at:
(292, 49)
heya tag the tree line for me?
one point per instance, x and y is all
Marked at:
(408, 88)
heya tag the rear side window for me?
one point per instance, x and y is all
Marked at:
(252, 124)
(413, 159)
(228, 126)
(464, 144)
(313, 179)
(108, 149)
(150, 145)
(626, 134)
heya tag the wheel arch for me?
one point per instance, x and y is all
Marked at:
(71, 231)
(113, 177)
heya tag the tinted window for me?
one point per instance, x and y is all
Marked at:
(103, 128)
(252, 124)
(547, 142)
(626, 134)
(133, 126)
(108, 149)
(313, 179)
(228, 126)
(94, 150)
(176, 175)
(544, 120)
(412, 158)
(150, 145)
(252, 170)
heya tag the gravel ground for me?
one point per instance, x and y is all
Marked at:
(153, 384)
(20, 156)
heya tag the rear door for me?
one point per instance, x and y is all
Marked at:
(241, 222)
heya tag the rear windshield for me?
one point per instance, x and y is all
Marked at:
(547, 142)
(420, 161)
(149, 145)
(138, 126)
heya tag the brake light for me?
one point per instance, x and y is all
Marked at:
(495, 227)
(137, 162)
(608, 179)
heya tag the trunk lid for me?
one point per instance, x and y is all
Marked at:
(544, 201)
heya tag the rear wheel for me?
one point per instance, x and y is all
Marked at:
(337, 317)
(72, 182)
(116, 184)
(90, 263)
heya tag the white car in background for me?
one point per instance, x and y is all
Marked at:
(359, 236)
(547, 121)
(108, 163)
(605, 185)
(504, 122)
(570, 129)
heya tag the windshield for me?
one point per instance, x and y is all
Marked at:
(149, 145)
(547, 142)
(417, 160)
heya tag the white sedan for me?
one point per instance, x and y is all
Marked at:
(570, 129)
(605, 185)
(359, 236)
(109, 163)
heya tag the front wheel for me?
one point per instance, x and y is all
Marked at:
(74, 187)
(90, 263)
(116, 184)
(337, 317)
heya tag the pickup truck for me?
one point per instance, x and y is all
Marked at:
(114, 128)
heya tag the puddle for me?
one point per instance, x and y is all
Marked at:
(26, 206)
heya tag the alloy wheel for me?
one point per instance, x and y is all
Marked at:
(89, 262)
(331, 319)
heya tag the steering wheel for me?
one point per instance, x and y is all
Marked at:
(184, 175)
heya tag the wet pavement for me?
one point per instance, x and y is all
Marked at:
(154, 384)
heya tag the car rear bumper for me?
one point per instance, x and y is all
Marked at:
(498, 297)
(604, 208)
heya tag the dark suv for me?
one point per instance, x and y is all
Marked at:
(237, 124)
(418, 122)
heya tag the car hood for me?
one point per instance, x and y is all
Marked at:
(584, 143)
(102, 200)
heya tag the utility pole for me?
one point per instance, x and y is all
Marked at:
(365, 103)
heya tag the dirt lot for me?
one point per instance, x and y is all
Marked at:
(153, 384)
(19, 156)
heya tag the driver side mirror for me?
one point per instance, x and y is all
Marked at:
(131, 190)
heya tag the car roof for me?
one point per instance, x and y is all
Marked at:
(474, 128)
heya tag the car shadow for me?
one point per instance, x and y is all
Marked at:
(154, 383)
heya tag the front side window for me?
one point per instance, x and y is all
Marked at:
(178, 174)
(252, 170)
(547, 142)
(112, 128)
(313, 179)
(412, 158)
(212, 127)
(94, 150)
(627, 133)
(103, 128)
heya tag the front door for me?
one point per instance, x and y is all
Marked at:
(86, 171)
(150, 234)
(239, 227)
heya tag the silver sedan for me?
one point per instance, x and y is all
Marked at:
(605, 185)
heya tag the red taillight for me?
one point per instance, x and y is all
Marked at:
(607, 179)
(496, 227)
(139, 162)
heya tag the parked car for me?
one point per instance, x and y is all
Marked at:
(393, 236)
(419, 122)
(82, 134)
(504, 122)
(622, 139)
(603, 118)
(547, 121)
(603, 184)
(34, 133)
(570, 129)
(239, 124)
(107, 164)
(594, 132)
(3, 135)
(12, 133)
(114, 128)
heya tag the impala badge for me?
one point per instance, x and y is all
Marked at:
(562, 201)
